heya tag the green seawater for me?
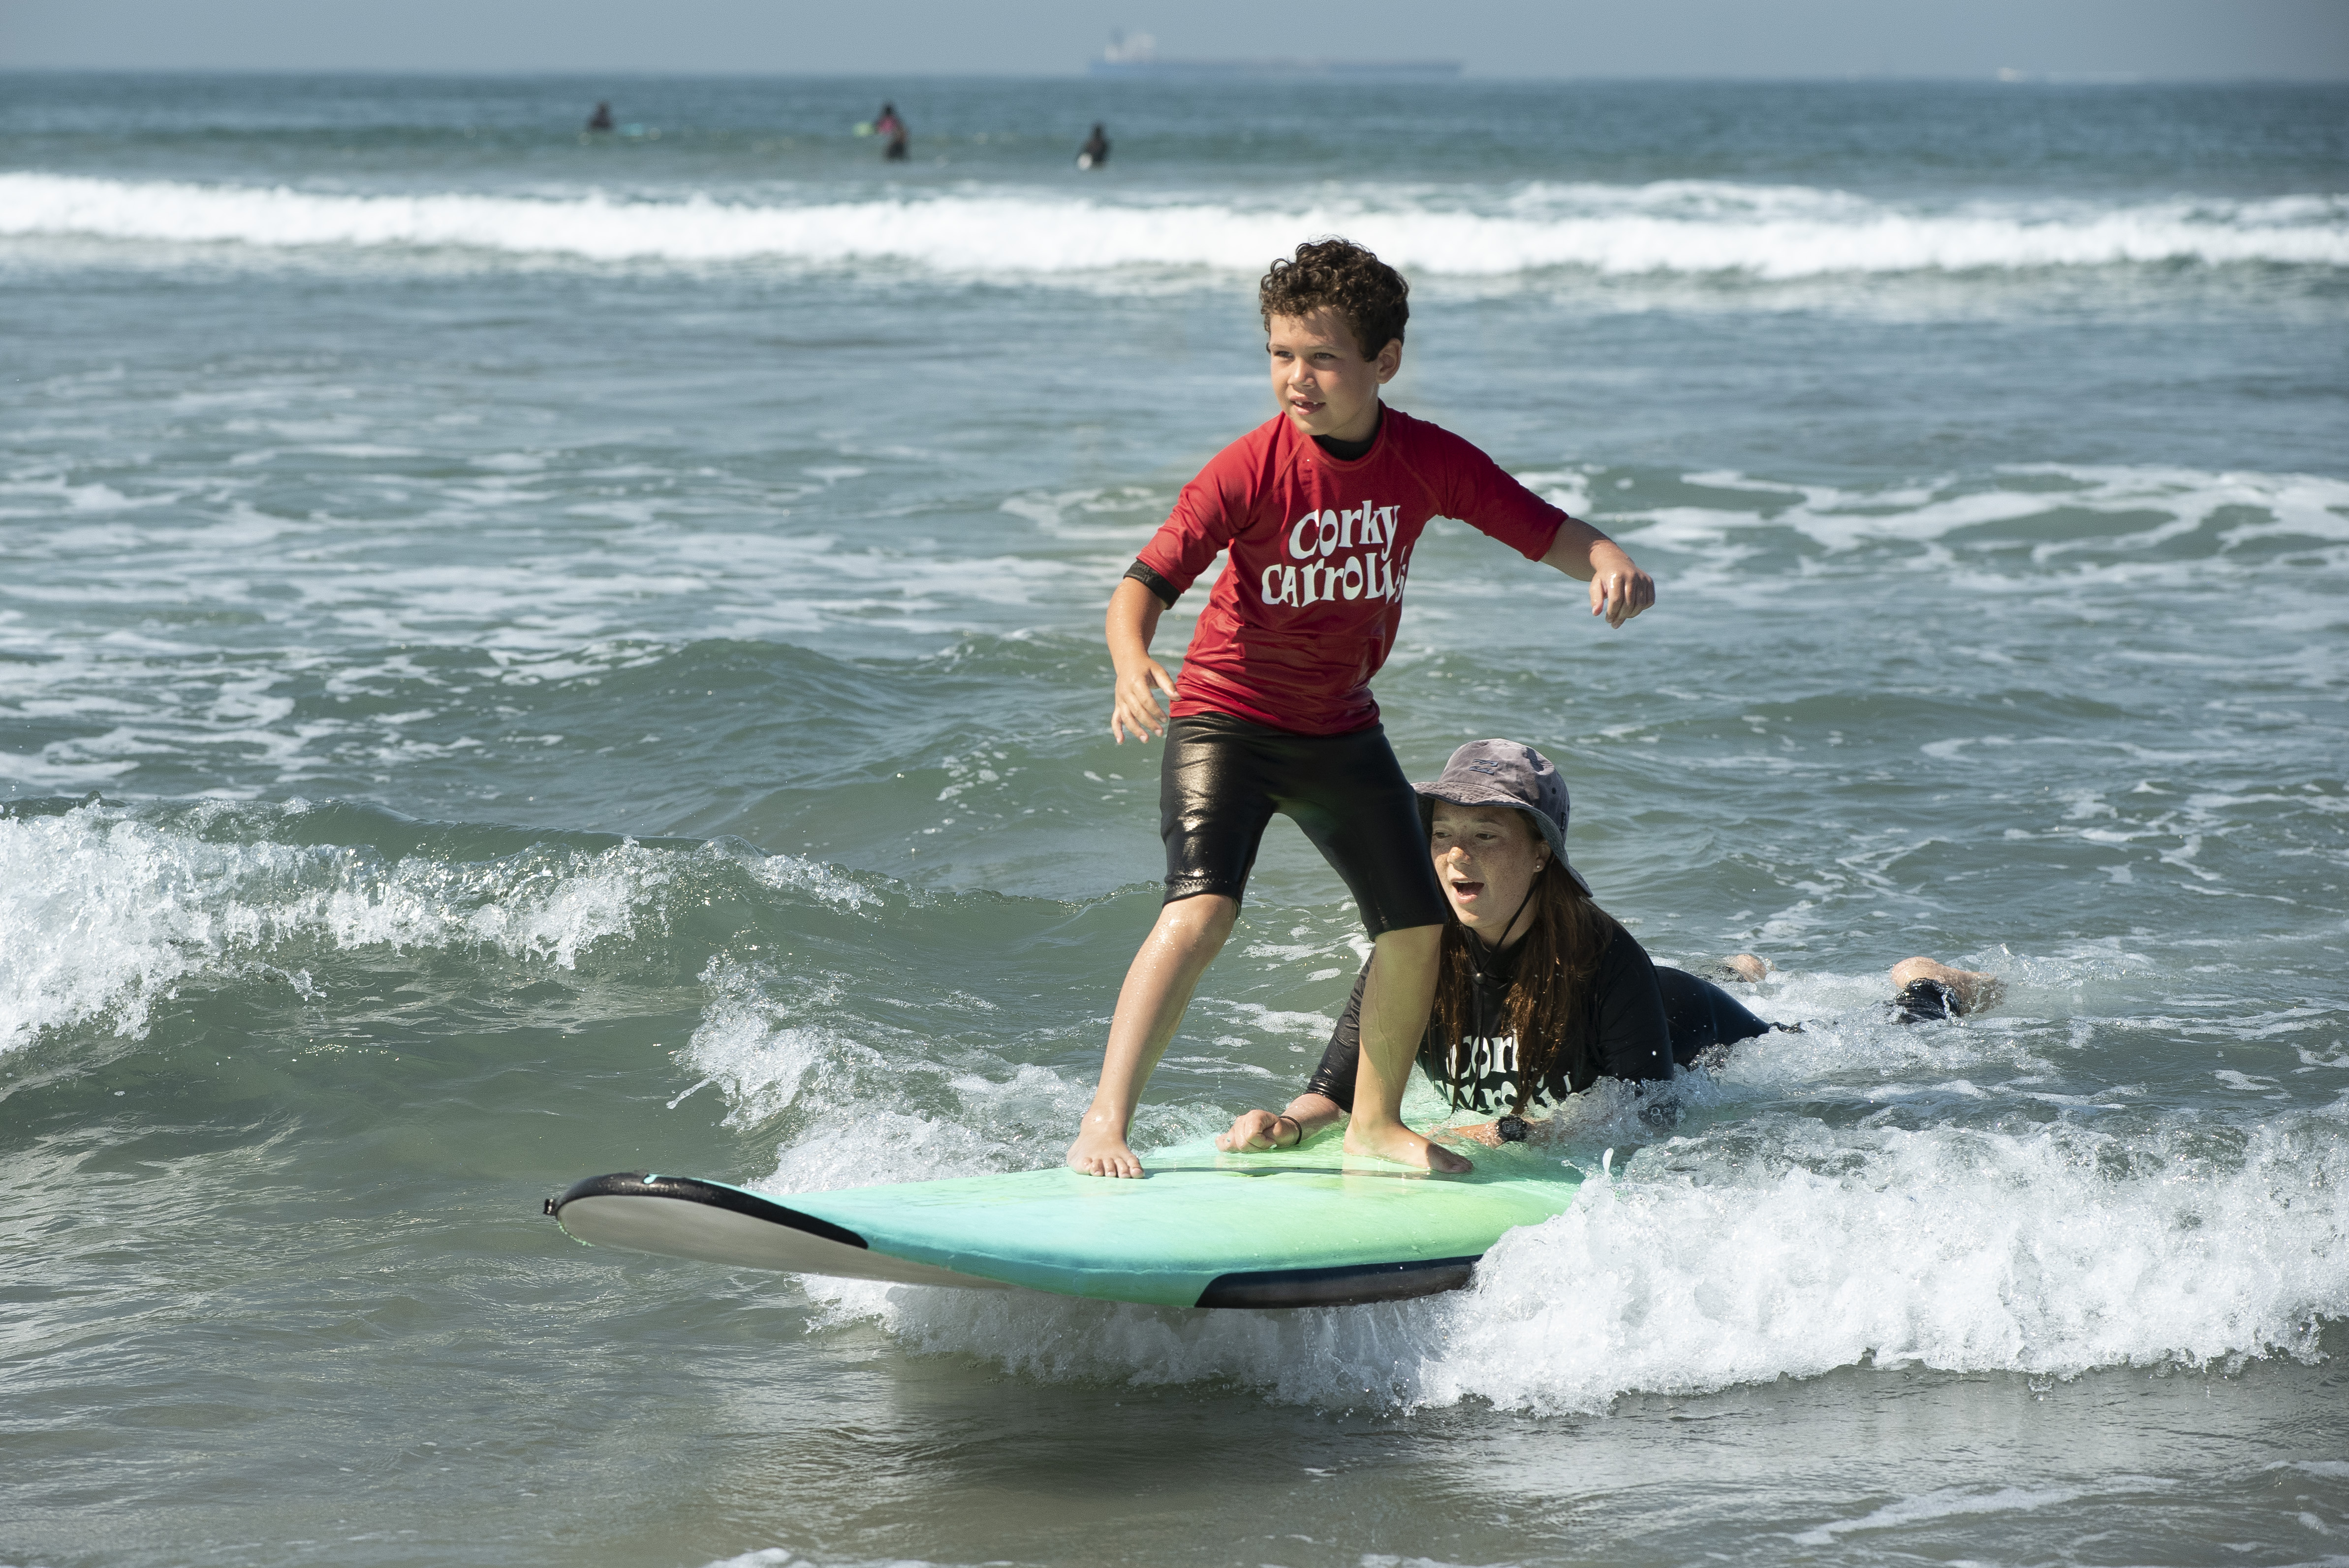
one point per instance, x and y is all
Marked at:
(524, 654)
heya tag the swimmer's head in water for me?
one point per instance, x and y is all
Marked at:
(1340, 275)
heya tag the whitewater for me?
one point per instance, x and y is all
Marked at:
(1776, 1243)
(524, 654)
(1681, 226)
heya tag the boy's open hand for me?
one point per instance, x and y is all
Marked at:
(1135, 707)
(1619, 590)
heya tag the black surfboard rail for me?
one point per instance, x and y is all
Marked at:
(1347, 1285)
(693, 1189)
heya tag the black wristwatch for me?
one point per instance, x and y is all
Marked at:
(1513, 1129)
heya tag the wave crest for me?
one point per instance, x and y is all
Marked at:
(1782, 1250)
(107, 911)
(1683, 227)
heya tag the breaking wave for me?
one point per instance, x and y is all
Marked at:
(109, 910)
(1672, 227)
(1781, 1250)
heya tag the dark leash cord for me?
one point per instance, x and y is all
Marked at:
(1512, 1128)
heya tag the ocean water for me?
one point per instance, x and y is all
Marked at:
(524, 654)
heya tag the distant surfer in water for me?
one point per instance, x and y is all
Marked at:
(602, 119)
(887, 123)
(1095, 151)
(1540, 992)
(1319, 509)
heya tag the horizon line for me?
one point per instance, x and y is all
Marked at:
(2005, 75)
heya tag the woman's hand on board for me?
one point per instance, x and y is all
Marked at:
(1253, 1132)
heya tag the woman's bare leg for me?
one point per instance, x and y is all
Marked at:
(1973, 990)
(1158, 986)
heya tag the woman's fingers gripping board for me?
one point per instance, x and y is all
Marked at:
(1252, 1132)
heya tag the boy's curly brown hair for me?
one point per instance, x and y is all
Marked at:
(1369, 295)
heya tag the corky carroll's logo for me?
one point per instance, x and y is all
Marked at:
(1487, 1072)
(1317, 537)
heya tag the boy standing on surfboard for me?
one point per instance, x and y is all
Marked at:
(1319, 508)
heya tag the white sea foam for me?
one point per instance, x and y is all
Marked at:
(879, 1104)
(2311, 506)
(626, 594)
(781, 1557)
(106, 913)
(2025, 528)
(1697, 227)
(1947, 1503)
(1782, 1249)
(393, 577)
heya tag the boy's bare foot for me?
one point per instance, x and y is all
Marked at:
(1399, 1143)
(1099, 1152)
(1745, 966)
(1971, 990)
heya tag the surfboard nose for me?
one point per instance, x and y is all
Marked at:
(711, 1223)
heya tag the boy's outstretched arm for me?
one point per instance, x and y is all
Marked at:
(1619, 590)
(1133, 612)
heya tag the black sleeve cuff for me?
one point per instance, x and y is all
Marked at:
(1168, 592)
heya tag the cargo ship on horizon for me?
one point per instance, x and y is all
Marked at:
(1136, 56)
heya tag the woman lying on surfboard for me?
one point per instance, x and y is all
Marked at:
(1540, 990)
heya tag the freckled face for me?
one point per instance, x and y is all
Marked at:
(1486, 857)
(1321, 379)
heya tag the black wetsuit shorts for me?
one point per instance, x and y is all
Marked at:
(1223, 779)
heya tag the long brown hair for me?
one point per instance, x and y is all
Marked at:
(1557, 960)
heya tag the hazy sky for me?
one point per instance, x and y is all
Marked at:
(2155, 38)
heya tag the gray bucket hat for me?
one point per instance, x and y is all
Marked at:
(1506, 773)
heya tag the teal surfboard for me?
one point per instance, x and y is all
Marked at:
(1301, 1227)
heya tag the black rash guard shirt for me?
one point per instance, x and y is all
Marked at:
(1648, 1019)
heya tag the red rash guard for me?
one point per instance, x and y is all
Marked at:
(1307, 609)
